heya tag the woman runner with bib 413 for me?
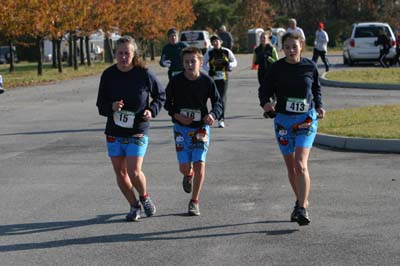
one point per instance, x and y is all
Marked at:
(294, 84)
(124, 98)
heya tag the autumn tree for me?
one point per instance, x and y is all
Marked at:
(36, 23)
(10, 26)
(252, 14)
(101, 15)
(149, 20)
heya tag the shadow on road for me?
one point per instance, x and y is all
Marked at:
(189, 233)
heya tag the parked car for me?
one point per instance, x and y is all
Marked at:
(361, 44)
(196, 38)
(5, 55)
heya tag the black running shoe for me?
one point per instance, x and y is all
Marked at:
(187, 183)
(293, 216)
(302, 217)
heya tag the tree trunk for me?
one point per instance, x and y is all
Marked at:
(70, 49)
(81, 49)
(39, 56)
(89, 61)
(59, 58)
(12, 68)
(75, 52)
(54, 53)
(108, 53)
(152, 51)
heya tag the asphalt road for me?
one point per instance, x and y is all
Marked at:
(60, 204)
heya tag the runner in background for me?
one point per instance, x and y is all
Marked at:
(321, 45)
(218, 61)
(171, 53)
(264, 55)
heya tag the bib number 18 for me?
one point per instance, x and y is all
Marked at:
(195, 115)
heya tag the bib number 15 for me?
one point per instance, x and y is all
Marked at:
(124, 118)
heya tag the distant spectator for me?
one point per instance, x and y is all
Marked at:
(321, 46)
(397, 58)
(226, 37)
(383, 42)
(273, 39)
(1, 85)
(98, 53)
(293, 28)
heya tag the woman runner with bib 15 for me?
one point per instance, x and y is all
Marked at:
(124, 98)
(293, 91)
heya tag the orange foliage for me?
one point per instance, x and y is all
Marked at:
(151, 19)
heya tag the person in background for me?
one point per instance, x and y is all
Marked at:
(397, 58)
(383, 42)
(124, 98)
(293, 92)
(170, 55)
(264, 55)
(294, 28)
(187, 97)
(226, 37)
(1, 84)
(321, 45)
(218, 61)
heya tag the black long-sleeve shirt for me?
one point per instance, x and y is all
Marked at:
(183, 93)
(291, 81)
(134, 87)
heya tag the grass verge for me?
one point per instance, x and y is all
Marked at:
(367, 122)
(367, 75)
(26, 73)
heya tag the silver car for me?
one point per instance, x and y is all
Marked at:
(361, 44)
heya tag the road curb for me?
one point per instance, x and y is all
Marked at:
(358, 144)
(342, 84)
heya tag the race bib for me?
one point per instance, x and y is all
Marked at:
(195, 115)
(124, 118)
(296, 105)
(219, 75)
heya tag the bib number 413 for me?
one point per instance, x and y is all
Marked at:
(296, 105)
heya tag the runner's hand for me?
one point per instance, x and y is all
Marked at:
(321, 112)
(269, 107)
(117, 106)
(208, 119)
(146, 115)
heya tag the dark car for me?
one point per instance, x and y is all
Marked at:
(5, 55)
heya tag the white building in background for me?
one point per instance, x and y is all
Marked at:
(96, 46)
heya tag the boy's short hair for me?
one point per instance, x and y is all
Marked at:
(192, 50)
(172, 31)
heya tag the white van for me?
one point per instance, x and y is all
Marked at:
(196, 38)
(361, 44)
